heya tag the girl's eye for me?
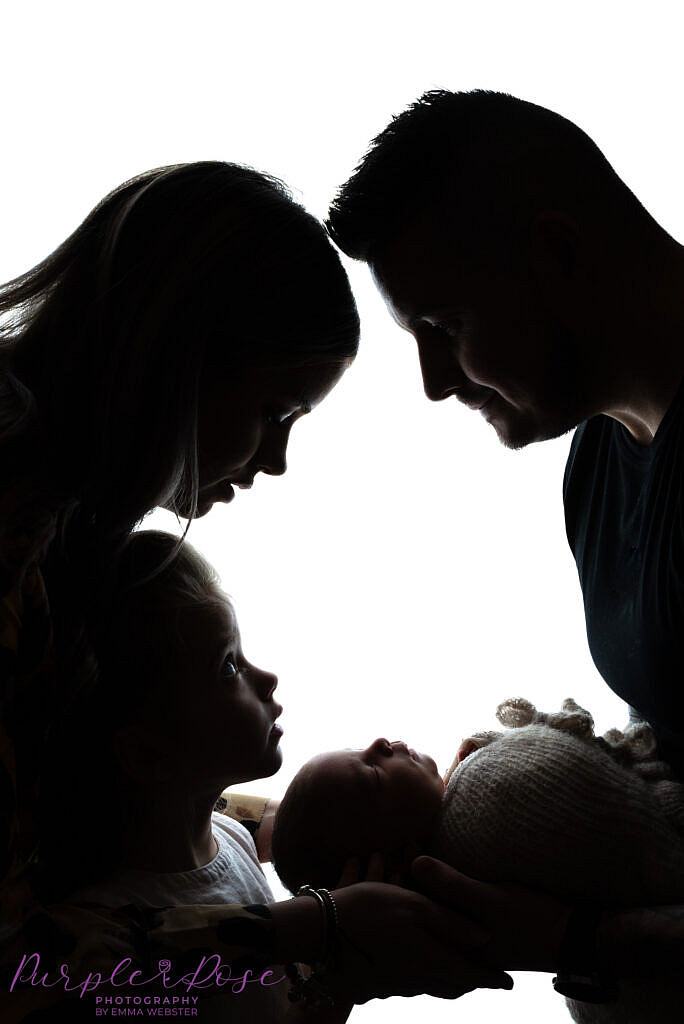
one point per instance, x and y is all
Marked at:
(229, 666)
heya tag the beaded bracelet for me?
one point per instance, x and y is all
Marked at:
(312, 989)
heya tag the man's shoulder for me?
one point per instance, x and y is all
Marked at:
(584, 438)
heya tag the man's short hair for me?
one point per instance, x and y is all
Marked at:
(500, 159)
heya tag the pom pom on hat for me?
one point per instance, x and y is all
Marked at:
(516, 712)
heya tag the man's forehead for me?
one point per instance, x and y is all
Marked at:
(418, 269)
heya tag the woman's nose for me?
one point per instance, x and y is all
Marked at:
(275, 464)
(272, 455)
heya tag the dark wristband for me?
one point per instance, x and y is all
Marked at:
(578, 975)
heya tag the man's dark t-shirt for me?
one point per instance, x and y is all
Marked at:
(624, 513)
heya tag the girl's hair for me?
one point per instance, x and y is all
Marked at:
(190, 270)
(138, 628)
(138, 640)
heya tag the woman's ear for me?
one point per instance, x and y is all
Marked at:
(142, 754)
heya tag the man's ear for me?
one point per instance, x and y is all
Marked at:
(142, 754)
(558, 251)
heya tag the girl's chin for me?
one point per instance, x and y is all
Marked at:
(276, 761)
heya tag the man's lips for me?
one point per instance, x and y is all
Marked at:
(476, 402)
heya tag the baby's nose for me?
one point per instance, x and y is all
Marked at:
(381, 746)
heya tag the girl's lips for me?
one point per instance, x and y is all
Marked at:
(276, 732)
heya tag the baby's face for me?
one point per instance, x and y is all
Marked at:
(389, 794)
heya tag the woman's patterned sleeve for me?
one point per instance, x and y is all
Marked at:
(101, 947)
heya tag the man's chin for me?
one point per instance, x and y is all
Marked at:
(516, 434)
(512, 435)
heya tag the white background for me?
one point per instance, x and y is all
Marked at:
(408, 573)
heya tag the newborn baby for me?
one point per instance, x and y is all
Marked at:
(547, 805)
(352, 803)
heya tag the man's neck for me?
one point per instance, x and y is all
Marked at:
(647, 360)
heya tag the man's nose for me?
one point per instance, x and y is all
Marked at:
(442, 375)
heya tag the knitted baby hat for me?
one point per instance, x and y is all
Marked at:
(549, 805)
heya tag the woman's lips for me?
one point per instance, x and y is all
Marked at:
(225, 492)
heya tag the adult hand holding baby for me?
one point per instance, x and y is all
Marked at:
(392, 941)
(521, 928)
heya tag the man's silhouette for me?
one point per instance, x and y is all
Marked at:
(541, 293)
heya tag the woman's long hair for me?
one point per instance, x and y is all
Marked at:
(184, 272)
(197, 268)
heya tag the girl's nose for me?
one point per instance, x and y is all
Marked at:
(267, 684)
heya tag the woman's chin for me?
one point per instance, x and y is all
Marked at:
(205, 503)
